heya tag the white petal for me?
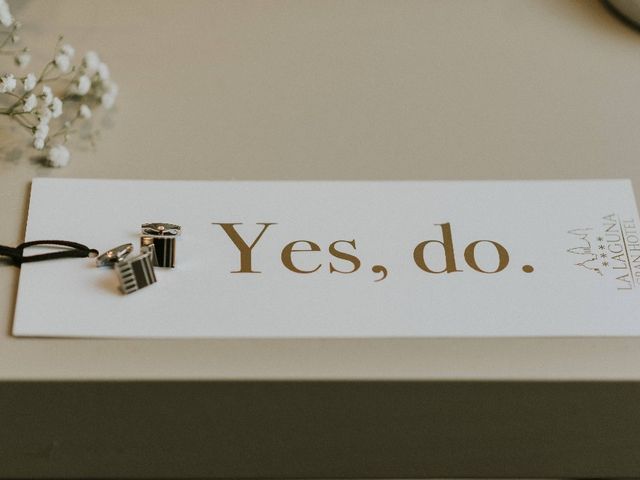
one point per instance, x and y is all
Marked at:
(22, 59)
(56, 107)
(90, 62)
(38, 143)
(47, 95)
(85, 111)
(63, 62)
(68, 50)
(30, 103)
(29, 82)
(58, 156)
(103, 71)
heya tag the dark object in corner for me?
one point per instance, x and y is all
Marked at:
(628, 12)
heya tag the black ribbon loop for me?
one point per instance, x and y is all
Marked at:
(74, 250)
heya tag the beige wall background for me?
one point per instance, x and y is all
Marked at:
(532, 89)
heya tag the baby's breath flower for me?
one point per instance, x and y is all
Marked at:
(47, 95)
(44, 114)
(29, 82)
(109, 97)
(8, 83)
(22, 59)
(43, 111)
(40, 135)
(63, 62)
(30, 103)
(90, 62)
(56, 107)
(68, 50)
(58, 156)
(42, 130)
(103, 71)
(85, 111)
(6, 18)
(82, 87)
(107, 101)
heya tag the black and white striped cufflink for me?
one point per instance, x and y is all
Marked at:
(136, 272)
(162, 238)
(157, 248)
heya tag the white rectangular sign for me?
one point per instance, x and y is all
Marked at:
(341, 259)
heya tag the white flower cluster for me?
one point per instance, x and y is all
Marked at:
(34, 103)
(94, 78)
(6, 18)
(8, 83)
(58, 156)
(50, 107)
(23, 57)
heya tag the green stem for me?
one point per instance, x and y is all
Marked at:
(8, 37)
(53, 79)
(12, 95)
(24, 124)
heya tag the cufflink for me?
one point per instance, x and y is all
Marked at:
(115, 255)
(136, 272)
(161, 237)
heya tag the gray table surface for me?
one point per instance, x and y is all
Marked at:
(537, 89)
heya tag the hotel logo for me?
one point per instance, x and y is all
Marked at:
(611, 250)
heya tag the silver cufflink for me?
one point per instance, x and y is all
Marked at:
(161, 237)
(136, 272)
(115, 255)
(157, 248)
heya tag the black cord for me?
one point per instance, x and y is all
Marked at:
(75, 250)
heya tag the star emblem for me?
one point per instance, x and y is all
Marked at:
(601, 247)
(605, 264)
(603, 255)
